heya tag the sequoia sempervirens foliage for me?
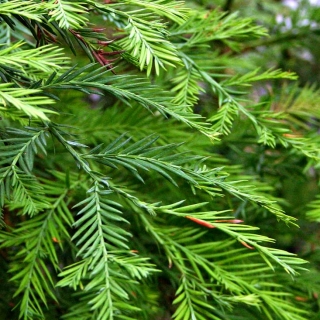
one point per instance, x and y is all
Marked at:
(146, 152)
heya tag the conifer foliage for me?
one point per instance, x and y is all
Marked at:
(143, 161)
